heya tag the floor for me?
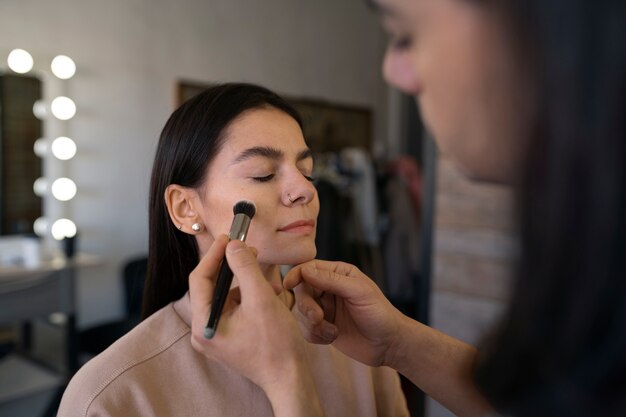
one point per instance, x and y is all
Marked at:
(32, 406)
(28, 387)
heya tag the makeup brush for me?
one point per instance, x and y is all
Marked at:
(244, 211)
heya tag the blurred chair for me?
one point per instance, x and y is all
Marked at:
(96, 339)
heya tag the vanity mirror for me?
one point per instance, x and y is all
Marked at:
(35, 145)
(19, 165)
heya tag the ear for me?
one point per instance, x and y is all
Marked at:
(180, 202)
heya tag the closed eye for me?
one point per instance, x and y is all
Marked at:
(401, 43)
(265, 178)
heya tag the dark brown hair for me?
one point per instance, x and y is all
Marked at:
(189, 141)
(560, 348)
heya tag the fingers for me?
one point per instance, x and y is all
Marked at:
(315, 312)
(202, 285)
(253, 285)
(294, 276)
(324, 333)
(311, 319)
(308, 305)
(339, 278)
(201, 279)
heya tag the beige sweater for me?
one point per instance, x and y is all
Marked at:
(154, 371)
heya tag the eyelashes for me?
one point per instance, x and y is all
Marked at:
(400, 42)
(270, 177)
(266, 178)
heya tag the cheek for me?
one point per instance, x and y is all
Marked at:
(444, 106)
(218, 209)
(258, 235)
(218, 221)
(314, 204)
(453, 77)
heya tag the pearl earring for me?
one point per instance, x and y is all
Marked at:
(196, 227)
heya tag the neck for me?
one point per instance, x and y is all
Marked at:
(271, 272)
(273, 276)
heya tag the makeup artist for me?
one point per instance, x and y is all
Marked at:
(530, 93)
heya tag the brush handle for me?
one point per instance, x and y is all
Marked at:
(224, 280)
(238, 230)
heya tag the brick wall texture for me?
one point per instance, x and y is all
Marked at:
(474, 253)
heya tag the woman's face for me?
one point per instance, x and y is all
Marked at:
(457, 58)
(264, 159)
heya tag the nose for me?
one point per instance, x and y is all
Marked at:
(298, 191)
(400, 72)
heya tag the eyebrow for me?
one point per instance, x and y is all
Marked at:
(270, 153)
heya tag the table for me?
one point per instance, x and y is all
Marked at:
(27, 294)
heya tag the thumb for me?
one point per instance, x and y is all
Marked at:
(253, 286)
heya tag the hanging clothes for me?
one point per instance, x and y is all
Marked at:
(363, 192)
(348, 220)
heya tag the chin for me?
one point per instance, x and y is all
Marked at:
(482, 170)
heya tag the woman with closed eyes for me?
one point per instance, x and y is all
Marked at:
(232, 142)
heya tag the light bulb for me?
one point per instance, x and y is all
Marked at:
(40, 226)
(63, 148)
(63, 108)
(63, 67)
(63, 228)
(63, 189)
(40, 110)
(40, 186)
(20, 61)
(40, 147)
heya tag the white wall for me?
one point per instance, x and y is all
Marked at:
(129, 54)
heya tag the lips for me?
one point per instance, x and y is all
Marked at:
(298, 226)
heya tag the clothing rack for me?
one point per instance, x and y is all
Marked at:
(368, 218)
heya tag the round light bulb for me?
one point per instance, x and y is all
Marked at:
(20, 61)
(63, 67)
(63, 108)
(40, 147)
(40, 110)
(63, 189)
(63, 228)
(63, 148)
(40, 186)
(40, 226)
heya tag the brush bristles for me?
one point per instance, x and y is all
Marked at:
(245, 207)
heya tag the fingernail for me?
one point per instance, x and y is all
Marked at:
(311, 315)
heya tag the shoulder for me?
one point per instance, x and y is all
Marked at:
(140, 348)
